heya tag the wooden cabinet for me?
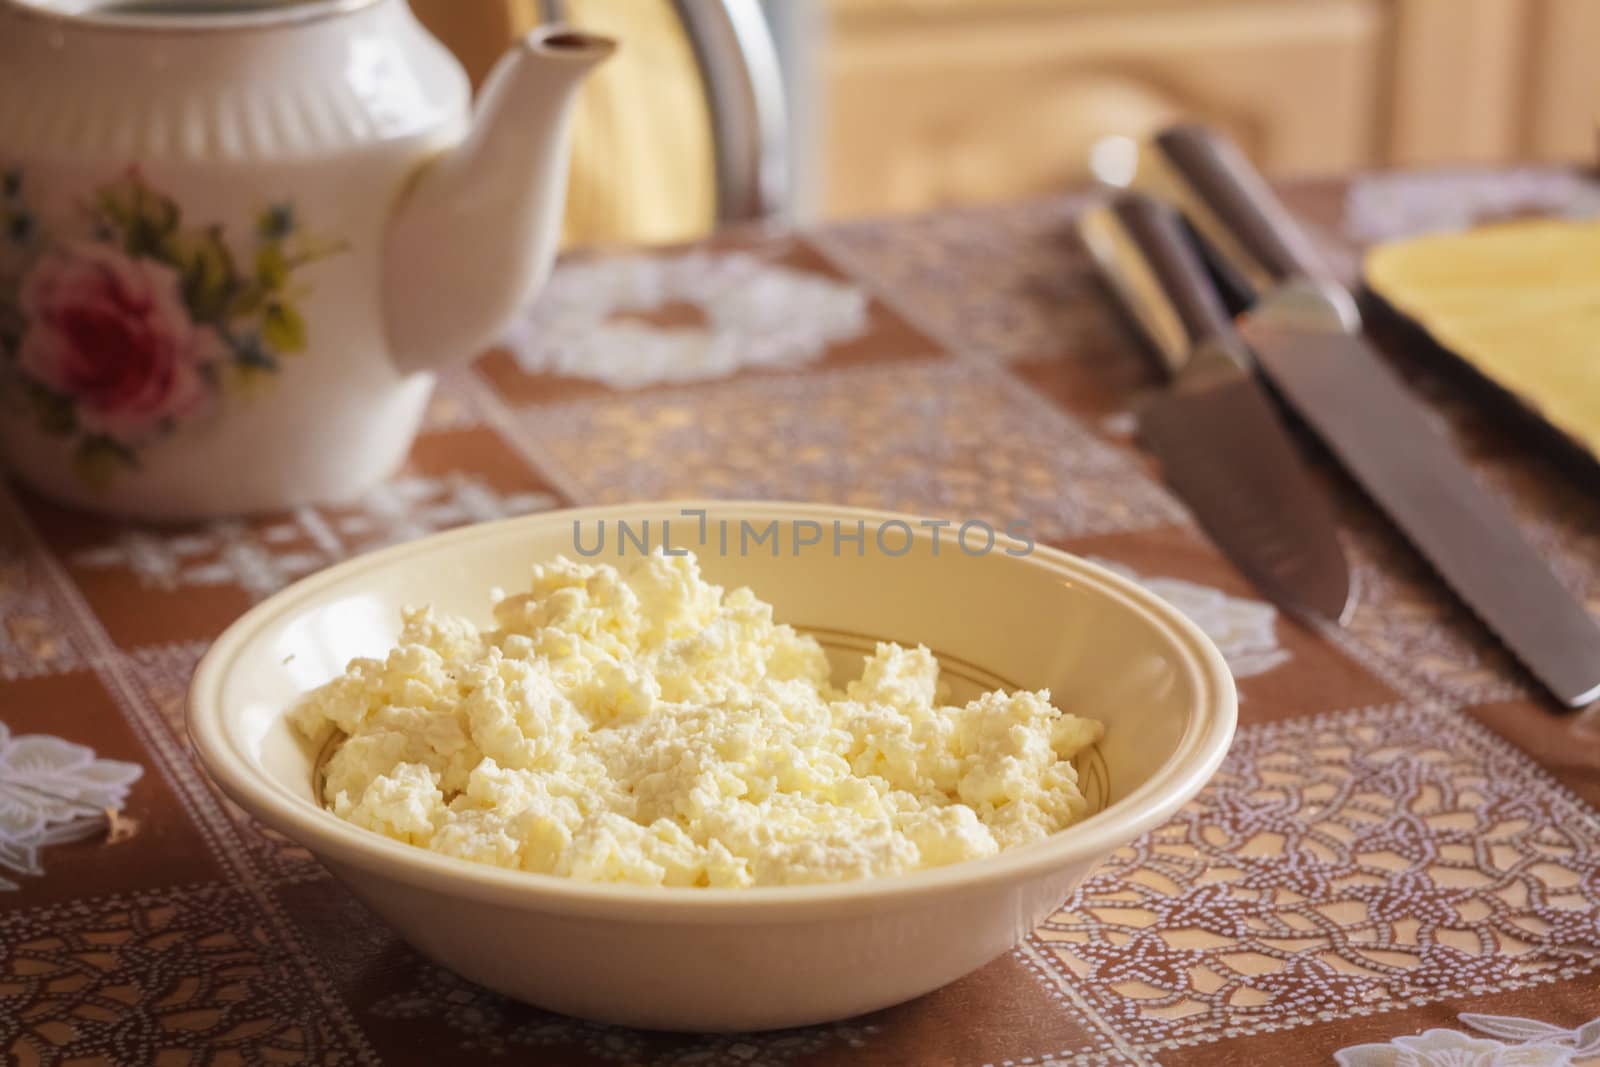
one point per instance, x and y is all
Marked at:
(935, 102)
(1563, 105)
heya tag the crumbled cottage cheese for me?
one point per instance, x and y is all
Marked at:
(646, 726)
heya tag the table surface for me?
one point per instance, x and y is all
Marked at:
(1400, 857)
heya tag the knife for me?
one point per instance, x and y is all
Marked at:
(1305, 332)
(1215, 431)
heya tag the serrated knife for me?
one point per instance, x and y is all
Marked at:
(1214, 430)
(1305, 332)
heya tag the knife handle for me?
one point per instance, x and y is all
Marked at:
(1229, 202)
(1141, 248)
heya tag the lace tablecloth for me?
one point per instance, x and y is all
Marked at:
(1398, 864)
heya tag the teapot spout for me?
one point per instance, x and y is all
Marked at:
(474, 235)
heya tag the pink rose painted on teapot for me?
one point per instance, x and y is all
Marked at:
(130, 321)
(112, 335)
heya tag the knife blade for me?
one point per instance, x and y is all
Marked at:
(1214, 431)
(1305, 331)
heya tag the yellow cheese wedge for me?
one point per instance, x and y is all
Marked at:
(1519, 301)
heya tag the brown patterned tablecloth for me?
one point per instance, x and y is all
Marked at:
(1398, 864)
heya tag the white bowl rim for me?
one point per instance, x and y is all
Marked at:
(1198, 754)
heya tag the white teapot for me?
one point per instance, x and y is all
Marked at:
(237, 238)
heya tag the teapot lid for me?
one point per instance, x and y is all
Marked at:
(184, 15)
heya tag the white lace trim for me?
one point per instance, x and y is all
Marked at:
(758, 314)
(1383, 207)
(1245, 631)
(1524, 1043)
(52, 791)
(262, 558)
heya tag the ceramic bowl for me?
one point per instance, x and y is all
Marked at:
(738, 959)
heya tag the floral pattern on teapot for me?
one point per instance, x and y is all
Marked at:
(115, 332)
